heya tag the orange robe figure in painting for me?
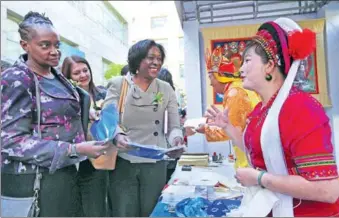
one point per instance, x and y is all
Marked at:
(239, 101)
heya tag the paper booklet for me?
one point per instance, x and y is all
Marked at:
(151, 151)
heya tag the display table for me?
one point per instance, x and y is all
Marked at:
(199, 183)
(224, 169)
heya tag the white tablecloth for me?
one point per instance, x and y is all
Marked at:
(225, 169)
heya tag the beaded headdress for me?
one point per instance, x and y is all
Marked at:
(283, 47)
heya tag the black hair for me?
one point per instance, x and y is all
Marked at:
(139, 51)
(166, 76)
(124, 70)
(32, 19)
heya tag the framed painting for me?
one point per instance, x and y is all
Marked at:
(307, 78)
(232, 41)
(229, 48)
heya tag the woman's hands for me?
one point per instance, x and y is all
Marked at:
(189, 131)
(94, 114)
(220, 119)
(247, 176)
(176, 153)
(92, 149)
(178, 141)
(201, 128)
(121, 141)
(217, 117)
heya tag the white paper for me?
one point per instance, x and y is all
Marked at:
(179, 189)
(166, 122)
(195, 122)
(205, 178)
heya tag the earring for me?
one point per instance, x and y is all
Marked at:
(268, 77)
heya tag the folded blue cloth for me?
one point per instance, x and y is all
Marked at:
(201, 207)
(162, 210)
(192, 207)
(104, 128)
(221, 207)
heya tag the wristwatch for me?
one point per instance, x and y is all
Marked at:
(73, 153)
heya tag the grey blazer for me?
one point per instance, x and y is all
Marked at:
(144, 122)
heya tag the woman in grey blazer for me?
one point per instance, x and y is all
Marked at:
(136, 183)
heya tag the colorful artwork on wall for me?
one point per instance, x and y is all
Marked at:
(231, 54)
(311, 78)
(307, 78)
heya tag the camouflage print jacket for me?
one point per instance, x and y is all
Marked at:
(21, 149)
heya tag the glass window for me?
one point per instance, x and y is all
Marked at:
(96, 13)
(181, 44)
(105, 65)
(80, 5)
(12, 48)
(181, 70)
(107, 21)
(69, 49)
(158, 22)
(164, 43)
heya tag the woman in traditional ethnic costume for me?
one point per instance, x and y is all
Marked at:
(240, 102)
(288, 133)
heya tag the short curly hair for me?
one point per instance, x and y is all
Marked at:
(139, 51)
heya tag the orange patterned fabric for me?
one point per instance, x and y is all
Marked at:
(239, 104)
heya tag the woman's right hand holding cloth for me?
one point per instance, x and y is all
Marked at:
(94, 149)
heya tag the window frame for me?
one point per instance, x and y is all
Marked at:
(181, 70)
(158, 27)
